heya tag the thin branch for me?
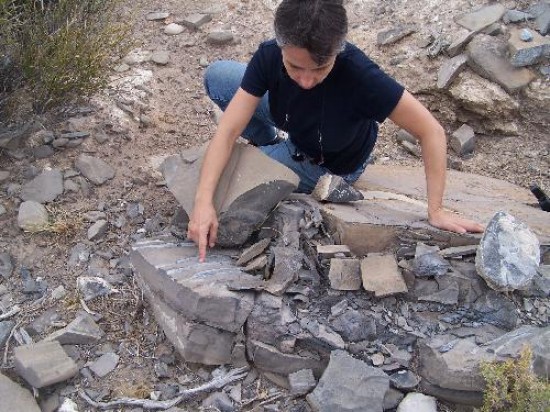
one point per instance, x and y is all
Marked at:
(9, 314)
(215, 383)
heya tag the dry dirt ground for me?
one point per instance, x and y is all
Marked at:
(175, 114)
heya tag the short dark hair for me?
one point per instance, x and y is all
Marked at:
(320, 26)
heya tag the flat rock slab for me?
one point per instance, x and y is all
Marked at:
(482, 18)
(381, 275)
(349, 385)
(250, 187)
(488, 58)
(198, 291)
(43, 364)
(95, 170)
(44, 188)
(81, 331)
(395, 205)
(15, 397)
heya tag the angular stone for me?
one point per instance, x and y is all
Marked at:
(496, 309)
(105, 364)
(541, 11)
(527, 53)
(482, 18)
(392, 399)
(197, 291)
(471, 398)
(15, 397)
(43, 322)
(349, 385)
(516, 16)
(381, 275)
(428, 261)
(43, 364)
(81, 331)
(92, 287)
(459, 42)
(397, 204)
(354, 326)
(394, 35)
(417, 402)
(456, 369)
(301, 382)
(220, 37)
(44, 188)
(333, 188)
(323, 333)
(6, 265)
(448, 295)
(173, 29)
(251, 252)
(458, 251)
(488, 58)
(267, 358)
(157, 15)
(450, 69)
(404, 379)
(511, 345)
(256, 264)
(251, 186)
(509, 253)
(195, 21)
(95, 170)
(345, 274)
(43, 151)
(32, 216)
(463, 140)
(195, 342)
(5, 330)
(98, 230)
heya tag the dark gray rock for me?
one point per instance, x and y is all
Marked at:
(511, 345)
(463, 140)
(516, 16)
(428, 261)
(450, 69)
(349, 385)
(43, 151)
(44, 188)
(81, 331)
(334, 189)
(392, 399)
(301, 382)
(43, 322)
(496, 309)
(5, 330)
(404, 379)
(95, 170)
(354, 326)
(92, 287)
(220, 401)
(195, 21)
(508, 254)
(541, 11)
(458, 44)
(527, 48)
(251, 252)
(6, 265)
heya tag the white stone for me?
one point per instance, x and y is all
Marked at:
(417, 402)
(173, 29)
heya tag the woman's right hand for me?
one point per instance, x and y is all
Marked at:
(203, 228)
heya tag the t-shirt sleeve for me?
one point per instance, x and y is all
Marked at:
(378, 93)
(255, 77)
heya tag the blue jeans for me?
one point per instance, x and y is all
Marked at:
(221, 81)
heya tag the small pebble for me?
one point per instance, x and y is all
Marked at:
(525, 35)
(173, 29)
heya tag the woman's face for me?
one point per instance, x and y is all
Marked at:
(302, 68)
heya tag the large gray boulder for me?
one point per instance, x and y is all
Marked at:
(44, 188)
(252, 184)
(15, 398)
(509, 253)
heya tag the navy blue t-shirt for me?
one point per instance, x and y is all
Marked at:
(342, 111)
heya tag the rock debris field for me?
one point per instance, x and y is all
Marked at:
(306, 304)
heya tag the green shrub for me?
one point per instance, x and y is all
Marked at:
(511, 386)
(60, 48)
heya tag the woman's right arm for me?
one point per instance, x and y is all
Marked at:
(203, 225)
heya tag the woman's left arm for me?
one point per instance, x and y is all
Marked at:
(412, 116)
